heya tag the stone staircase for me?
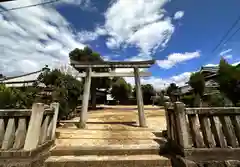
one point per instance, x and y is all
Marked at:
(107, 148)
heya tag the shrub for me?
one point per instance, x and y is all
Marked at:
(188, 100)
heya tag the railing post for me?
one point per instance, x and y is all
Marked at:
(181, 122)
(34, 128)
(55, 107)
(166, 106)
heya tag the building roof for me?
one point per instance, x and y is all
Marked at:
(213, 69)
(23, 80)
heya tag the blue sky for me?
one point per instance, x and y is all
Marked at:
(179, 35)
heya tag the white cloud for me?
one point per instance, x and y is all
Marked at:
(178, 15)
(161, 83)
(33, 37)
(236, 63)
(151, 36)
(84, 36)
(83, 4)
(138, 23)
(139, 57)
(228, 57)
(176, 58)
(214, 65)
(223, 53)
(210, 65)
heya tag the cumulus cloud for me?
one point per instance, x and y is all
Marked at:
(176, 58)
(161, 83)
(142, 24)
(223, 53)
(178, 15)
(33, 37)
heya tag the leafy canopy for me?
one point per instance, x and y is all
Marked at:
(229, 81)
(197, 82)
(121, 90)
(147, 92)
(65, 89)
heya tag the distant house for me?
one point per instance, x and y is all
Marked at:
(25, 80)
(211, 86)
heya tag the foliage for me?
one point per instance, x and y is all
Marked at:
(197, 82)
(121, 90)
(147, 92)
(229, 81)
(217, 100)
(188, 100)
(17, 98)
(87, 55)
(65, 89)
(173, 91)
(27, 96)
(8, 97)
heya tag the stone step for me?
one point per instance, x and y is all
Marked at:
(111, 141)
(108, 161)
(71, 125)
(106, 150)
(88, 134)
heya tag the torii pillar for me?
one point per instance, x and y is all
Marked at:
(85, 100)
(141, 115)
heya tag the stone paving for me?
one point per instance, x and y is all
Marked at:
(115, 126)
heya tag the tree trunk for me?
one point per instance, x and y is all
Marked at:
(93, 95)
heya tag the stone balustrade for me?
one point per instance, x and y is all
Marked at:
(27, 133)
(205, 136)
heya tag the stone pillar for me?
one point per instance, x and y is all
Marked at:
(85, 100)
(141, 115)
(55, 107)
(34, 127)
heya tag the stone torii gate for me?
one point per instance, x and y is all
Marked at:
(88, 74)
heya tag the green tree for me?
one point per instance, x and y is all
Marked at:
(17, 98)
(217, 100)
(229, 81)
(173, 92)
(197, 83)
(121, 90)
(87, 55)
(147, 92)
(65, 89)
(8, 97)
(188, 100)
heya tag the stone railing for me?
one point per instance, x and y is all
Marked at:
(201, 136)
(26, 133)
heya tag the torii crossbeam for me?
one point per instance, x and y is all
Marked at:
(88, 74)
